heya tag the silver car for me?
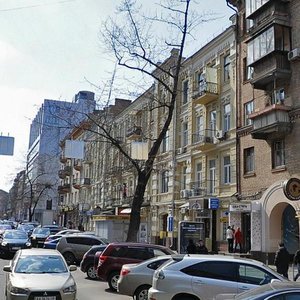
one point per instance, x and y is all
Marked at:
(197, 277)
(136, 279)
(39, 274)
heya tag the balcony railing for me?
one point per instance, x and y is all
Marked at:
(271, 122)
(85, 181)
(206, 93)
(62, 174)
(68, 170)
(204, 139)
(78, 164)
(76, 183)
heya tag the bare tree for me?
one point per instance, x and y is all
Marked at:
(136, 48)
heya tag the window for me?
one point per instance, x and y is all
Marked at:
(164, 181)
(274, 38)
(249, 160)
(199, 124)
(213, 269)
(201, 83)
(253, 5)
(226, 68)
(227, 169)
(183, 180)
(227, 112)
(212, 176)
(248, 109)
(199, 175)
(253, 275)
(212, 122)
(247, 71)
(185, 91)
(185, 133)
(166, 142)
(278, 154)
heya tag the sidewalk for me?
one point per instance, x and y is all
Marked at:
(290, 272)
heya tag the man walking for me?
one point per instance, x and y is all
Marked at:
(229, 237)
(282, 260)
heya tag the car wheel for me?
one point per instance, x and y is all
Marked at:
(91, 272)
(185, 297)
(69, 257)
(141, 293)
(113, 280)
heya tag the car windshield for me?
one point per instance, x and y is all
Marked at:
(39, 264)
(15, 235)
(41, 231)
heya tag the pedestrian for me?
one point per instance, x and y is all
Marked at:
(297, 263)
(282, 260)
(229, 237)
(201, 248)
(191, 247)
(238, 239)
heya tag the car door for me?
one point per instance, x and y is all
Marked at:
(250, 276)
(210, 278)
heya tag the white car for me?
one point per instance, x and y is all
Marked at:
(39, 274)
(195, 277)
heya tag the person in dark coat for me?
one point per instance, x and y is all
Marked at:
(191, 247)
(201, 248)
(282, 260)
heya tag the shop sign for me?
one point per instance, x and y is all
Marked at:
(291, 189)
(240, 207)
(213, 203)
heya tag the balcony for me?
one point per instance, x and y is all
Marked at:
(274, 66)
(206, 93)
(203, 140)
(77, 165)
(63, 159)
(62, 174)
(272, 122)
(85, 182)
(134, 133)
(63, 189)
(76, 183)
(68, 170)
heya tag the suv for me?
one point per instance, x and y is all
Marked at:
(206, 276)
(89, 261)
(115, 255)
(74, 246)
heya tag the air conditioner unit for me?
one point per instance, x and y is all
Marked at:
(294, 54)
(219, 134)
(184, 193)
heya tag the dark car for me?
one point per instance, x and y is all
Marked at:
(4, 227)
(28, 228)
(115, 255)
(89, 261)
(39, 236)
(13, 240)
(53, 228)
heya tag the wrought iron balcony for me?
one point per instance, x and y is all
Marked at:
(206, 93)
(271, 122)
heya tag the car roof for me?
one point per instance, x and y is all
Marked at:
(135, 244)
(39, 251)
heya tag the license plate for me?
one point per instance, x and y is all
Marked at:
(45, 298)
(16, 248)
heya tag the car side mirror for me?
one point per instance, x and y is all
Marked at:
(72, 268)
(7, 268)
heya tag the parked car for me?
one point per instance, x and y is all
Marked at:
(38, 236)
(12, 240)
(115, 255)
(39, 274)
(74, 246)
(51, 244)
(53, 228)
(67, 231)
(4, 227)
(205, 276)
(136, 279)
(89, 261)
(28, 228)
(274, 290)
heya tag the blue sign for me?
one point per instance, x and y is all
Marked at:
(170, 221)
(213, 203)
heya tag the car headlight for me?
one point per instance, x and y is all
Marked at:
(3, 244)
(33, 237)
(70, 289)
(19, 291)
(28, 244)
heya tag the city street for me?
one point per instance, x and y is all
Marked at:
(87, 289)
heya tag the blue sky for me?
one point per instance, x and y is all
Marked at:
(50, 49)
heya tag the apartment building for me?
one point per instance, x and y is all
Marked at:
(268, 65)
